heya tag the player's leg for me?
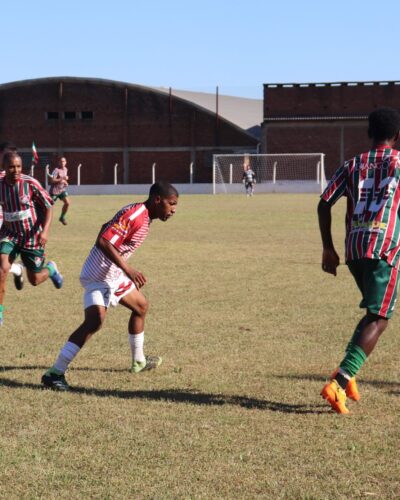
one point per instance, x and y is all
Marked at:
(137, 303)
(36, 269)
(378, 282)
(8, 252)
(54, 378)
(16, 270)
(66, 203)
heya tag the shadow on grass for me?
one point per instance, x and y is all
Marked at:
(322, 379)
(175, 396)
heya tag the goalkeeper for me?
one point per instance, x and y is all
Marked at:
(249, 180)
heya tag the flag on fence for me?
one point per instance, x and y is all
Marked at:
(35, 156)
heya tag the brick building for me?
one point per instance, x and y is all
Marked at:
(328, 118)
(99, 123)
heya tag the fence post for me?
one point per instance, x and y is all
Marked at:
(46, 177)
(274, 173)
(191, 173)
(115, 173)
(153, 173)
(78, 181)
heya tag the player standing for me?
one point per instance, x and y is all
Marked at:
(27, 212)
(370, 181)
(108, 279)
(58, 187)
(249, 180)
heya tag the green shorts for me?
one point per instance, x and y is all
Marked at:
(32, 259)
(378, 283)
(60, 196)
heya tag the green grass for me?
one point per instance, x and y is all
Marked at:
(249, 328)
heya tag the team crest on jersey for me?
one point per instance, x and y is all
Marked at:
(24, 199)
(38, 261)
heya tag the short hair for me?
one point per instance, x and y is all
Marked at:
(383, 123)
(7, 146)
(10, 154)
(163, 189)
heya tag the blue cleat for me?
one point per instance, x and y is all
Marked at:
(55, 275)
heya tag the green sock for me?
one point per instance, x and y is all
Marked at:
(354, 359)
(1, 310)
(50, 268)
(54, 371)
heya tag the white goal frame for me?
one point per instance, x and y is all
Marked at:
(275, 173)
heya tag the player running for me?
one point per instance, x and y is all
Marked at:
(58, 187)
(16, 269)
(108, 279)
(249, 180)
(27, 212)
(370, 181)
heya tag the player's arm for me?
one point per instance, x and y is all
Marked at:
(48, 216)
(113, 254)
(330, 259)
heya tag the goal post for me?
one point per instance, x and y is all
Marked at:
(275, 173)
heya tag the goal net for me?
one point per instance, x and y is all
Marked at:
(274, 173)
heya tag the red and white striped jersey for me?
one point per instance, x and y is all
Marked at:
(371, 183)
(61, 185)
(126, 231)
(23, 205)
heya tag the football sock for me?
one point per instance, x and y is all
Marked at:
(67, 354)
(16, 269)
(136, 342)
(1, 314)
(50, 268)
(354, 359)
(342, 378)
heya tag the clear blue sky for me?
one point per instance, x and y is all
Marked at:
(237, 45)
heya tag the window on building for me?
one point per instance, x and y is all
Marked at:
(69, 115)
(52, 115)
(87, 115)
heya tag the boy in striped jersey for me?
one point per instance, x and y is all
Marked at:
(370, 181)
(108, 280)
(58, 188)
(16, 269)
(27, 211)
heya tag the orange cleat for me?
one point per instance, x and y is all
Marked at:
(351, 388)
(335, 396)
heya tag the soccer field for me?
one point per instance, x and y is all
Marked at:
(249, 329)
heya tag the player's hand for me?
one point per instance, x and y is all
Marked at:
(43, 238)
(330, 261)
(138, 278)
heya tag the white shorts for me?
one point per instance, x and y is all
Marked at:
(106, 294)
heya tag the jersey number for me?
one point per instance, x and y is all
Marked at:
(371, 199)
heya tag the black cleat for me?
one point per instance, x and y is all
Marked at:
(55, 382)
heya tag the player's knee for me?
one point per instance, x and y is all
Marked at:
(33, 279)
(4, 270)
(142, 307)
(94, 319)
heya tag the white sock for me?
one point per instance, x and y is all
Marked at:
(136, 342)
(16, 269)
(344, 374)
(67, 354)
